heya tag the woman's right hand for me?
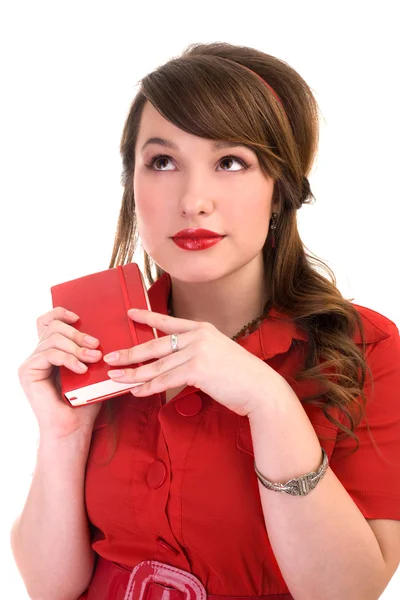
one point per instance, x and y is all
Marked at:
(59, 344)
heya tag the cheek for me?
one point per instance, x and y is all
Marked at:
(147, 204)
(152, 219)
(250, 213)
(149, 220)
(251, 224)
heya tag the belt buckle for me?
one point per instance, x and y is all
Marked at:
(153, 580)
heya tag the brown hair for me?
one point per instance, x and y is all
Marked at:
(228, 102)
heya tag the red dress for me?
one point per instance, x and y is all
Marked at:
(181, 488)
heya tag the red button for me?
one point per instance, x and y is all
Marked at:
(156, 474)
(162, 542)
(189, 406)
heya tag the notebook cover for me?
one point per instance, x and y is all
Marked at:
(102, 300)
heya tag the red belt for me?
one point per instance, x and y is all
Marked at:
(152, 580)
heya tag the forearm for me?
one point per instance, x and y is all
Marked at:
(50, 539)
(323, 544)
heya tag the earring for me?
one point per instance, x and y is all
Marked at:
(274, 219)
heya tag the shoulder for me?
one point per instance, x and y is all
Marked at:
(376, 326)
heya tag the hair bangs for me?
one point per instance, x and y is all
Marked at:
(211, 98)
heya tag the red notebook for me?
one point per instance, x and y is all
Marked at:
(102, 300)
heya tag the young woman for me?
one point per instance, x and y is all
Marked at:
(261, 455)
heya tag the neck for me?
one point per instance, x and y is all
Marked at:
(229, 303)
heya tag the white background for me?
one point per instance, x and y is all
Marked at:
(69, 72)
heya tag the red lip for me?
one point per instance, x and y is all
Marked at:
(197, 233)
(197, 243)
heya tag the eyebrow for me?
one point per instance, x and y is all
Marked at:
(173, 146)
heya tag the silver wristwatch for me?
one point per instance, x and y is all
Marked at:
(301, 486)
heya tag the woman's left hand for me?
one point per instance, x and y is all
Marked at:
(206, 359)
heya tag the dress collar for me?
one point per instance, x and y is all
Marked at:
(277, 330)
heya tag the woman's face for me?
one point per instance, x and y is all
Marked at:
(196, 185)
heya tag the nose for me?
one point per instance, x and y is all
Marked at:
(196, 196)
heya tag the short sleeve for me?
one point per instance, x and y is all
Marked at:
(371, 475)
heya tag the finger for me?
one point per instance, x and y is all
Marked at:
(148, 350)
(58, 313)
(43, 361)
(154, 369)
(165, 322)
(59, 341)
(171, 379)
(79, 337)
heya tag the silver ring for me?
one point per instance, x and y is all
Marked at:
(174, 342)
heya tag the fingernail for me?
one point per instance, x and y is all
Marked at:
(116, 373)
(90, 340)
(111, 356)
(92, 352)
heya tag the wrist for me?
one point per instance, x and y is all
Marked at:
(75, 444)
(273, 394)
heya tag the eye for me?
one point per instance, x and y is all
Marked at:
(162, 158)
(157, 158)
(234, 158)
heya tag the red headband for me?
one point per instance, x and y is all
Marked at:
(265, 83)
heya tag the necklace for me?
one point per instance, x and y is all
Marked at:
(249, 328)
